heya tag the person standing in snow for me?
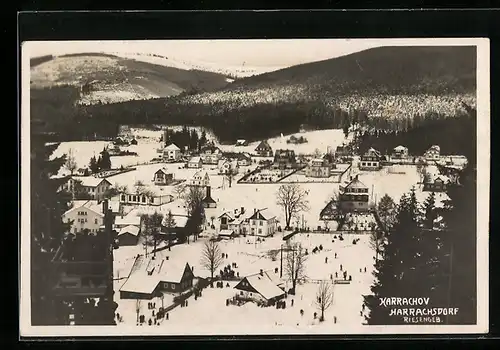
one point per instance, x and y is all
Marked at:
(335, 255)
(340, 267)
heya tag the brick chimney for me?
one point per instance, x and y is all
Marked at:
(261, 272)
(242, 210)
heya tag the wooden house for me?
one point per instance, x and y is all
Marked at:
(399, 153)
(210, 154)
(354, 197)
(163, 177)
(261, 287)
(433, 153)
(264, 149)
(370, 160)
(150, 278)
(195, 163)
(285, 159)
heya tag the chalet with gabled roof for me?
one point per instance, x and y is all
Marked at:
(437, 183)
(370, 160)
(149, 278)
(399, 153)
(261, 287)
(433, 153)
(163, 177)
(195, 163)
(354, 196)
(264, 149)
(200, 179)
(210, 154)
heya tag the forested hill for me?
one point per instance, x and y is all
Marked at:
(106, 78)
(375, 86)
(393, 70)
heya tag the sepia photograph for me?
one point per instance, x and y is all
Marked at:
(254, 187)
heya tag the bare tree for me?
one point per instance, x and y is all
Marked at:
(179, 190)
(71, 162)
(169, 224)
(317, 153)
(139, 187)
(230, 174)
(151, 231)
(326, 223)
(324, 298)
(211, 257)
(292, 198)
(137, 309)
(377, 238)
(295, 264)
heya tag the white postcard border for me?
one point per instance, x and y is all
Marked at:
(483, 206)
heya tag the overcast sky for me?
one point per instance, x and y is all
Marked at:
(234, 53)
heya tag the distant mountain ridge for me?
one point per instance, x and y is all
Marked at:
(107, 78)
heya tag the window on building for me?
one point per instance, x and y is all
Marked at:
(95, 221)
(261, 223)
(143, 199)
(173, 286)
(260, 230)
(123, 197)
(85, 219)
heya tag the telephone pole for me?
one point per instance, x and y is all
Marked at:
(281, 260)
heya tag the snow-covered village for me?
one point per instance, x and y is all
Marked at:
(174, 225)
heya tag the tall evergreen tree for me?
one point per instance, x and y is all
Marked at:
(93, 166)
(47, 231)
(105, 160)
(461, 240)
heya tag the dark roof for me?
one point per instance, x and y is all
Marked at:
(263, 145)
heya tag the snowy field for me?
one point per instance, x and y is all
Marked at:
(251, 256)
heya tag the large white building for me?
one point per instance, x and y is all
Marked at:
(84, 215)
(262, 223)
(171, 153)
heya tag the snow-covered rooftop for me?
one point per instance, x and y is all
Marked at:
(172, 147)
(264, 286)
(128, 220)
(132, 229)
(89, 181)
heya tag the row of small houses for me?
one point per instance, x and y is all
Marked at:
(168, 278)
(211, 154)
